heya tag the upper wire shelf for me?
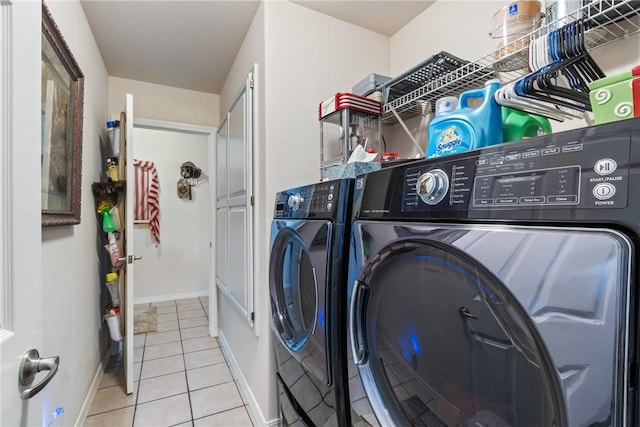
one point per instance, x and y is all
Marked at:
(607, 21)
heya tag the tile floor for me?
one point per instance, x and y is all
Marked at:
(181, 377)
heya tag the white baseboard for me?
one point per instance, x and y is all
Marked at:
(254, 410)
(86, 405)
(171, 297)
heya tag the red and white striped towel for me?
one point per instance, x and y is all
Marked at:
(147, 200)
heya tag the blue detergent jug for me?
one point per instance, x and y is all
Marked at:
(454, 130)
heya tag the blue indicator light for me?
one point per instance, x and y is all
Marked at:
(414, 341)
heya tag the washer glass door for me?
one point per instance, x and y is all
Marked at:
(296, 285)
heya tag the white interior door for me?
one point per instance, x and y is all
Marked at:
(129, 246)
(222, 208)
(20, 215)
(234, 201)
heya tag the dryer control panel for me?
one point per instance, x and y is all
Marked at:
(590, 172)
(311, 201)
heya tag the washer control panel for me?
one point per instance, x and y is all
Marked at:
(318, 200)
(542, 173)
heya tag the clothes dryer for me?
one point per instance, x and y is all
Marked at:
(498, 287)
(307, 285)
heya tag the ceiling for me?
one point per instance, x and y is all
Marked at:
(191, 44)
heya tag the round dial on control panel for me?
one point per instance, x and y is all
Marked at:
(295, 200)
(432, 186)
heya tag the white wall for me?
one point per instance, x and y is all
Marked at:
(153, 101)
(443, 27)
(179, 267)
(72, 324)
(304, 58)
(310, 57)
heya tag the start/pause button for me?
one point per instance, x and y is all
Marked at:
(605, 167)
(604, 191)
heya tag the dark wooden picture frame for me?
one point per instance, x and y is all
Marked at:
(61, 127)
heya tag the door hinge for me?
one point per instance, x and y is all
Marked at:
(253, 316)
(251, 83)
(252, 200)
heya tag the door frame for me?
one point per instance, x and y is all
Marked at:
(210, 132)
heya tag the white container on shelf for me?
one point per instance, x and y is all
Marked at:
(513, 22)
(560, 12)
(113, 132)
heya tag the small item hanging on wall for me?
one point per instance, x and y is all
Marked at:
(190, 178)
(184, 189)
(189, 170)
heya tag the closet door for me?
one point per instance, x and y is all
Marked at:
(240, 225)
(234, 202)
(222, 211)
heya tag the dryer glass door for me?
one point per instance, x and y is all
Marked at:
(439, 340)
(297, 271)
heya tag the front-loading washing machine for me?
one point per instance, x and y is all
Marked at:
(307, 273)
(498, 287)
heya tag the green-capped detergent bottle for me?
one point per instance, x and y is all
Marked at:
(517, 125)
(108, 226)
(454, 130)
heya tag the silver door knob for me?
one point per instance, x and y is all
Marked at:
(32, 364)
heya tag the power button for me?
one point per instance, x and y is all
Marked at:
(604, 191)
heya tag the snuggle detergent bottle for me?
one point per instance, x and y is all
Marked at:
(466, 128)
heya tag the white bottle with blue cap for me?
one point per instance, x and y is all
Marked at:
(113, 132)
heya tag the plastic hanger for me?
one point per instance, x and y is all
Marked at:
(508, 97)
(544, 83)
(576, 65)
(513, 94)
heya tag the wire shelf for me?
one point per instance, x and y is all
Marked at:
(607, 20)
